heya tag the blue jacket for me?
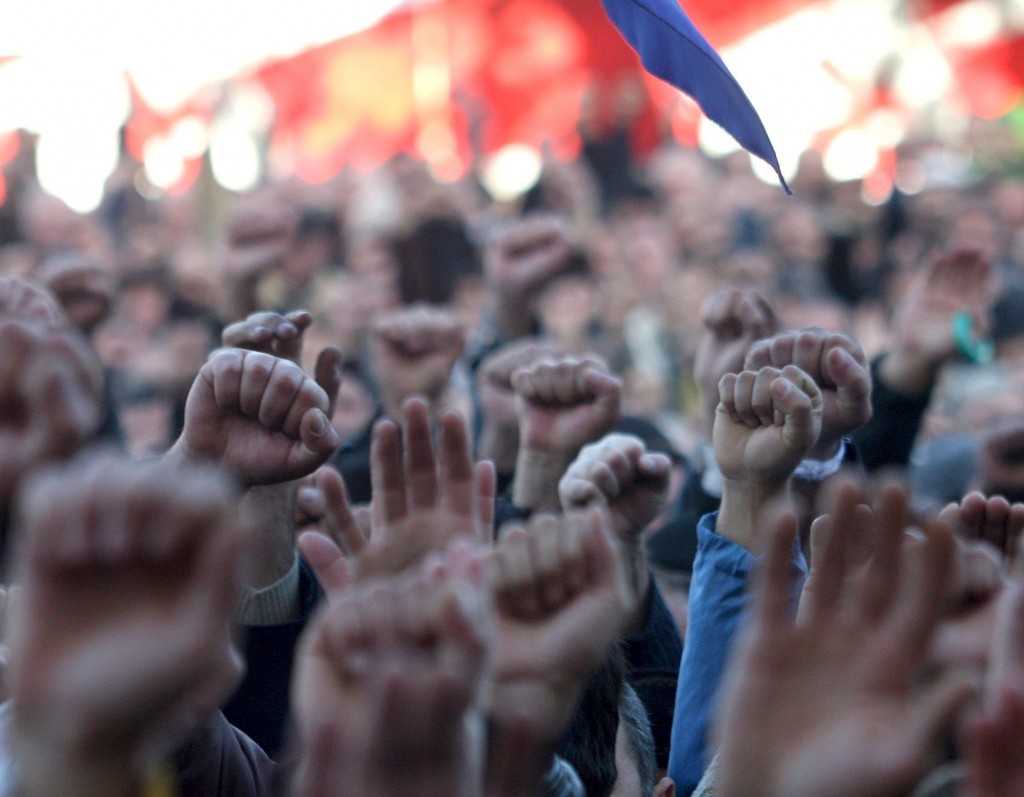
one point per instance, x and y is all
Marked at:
(717, 600)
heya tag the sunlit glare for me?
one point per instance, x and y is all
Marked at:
(511, 172)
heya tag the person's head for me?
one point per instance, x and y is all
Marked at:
(590, 744)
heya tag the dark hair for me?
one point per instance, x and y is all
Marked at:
(590, 743)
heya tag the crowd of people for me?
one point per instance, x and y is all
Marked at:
(651, 482)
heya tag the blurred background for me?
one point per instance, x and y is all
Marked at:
(248, 90)
(151, 155)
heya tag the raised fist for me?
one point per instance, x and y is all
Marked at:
(837, 364)
(413, 351)
(261, 417)
(733, 320)
(765, 424)
(565, 403)
(122, 632)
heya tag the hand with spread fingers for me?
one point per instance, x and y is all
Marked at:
(837, 364)
(832, 704)
(386, 688)
(121, 638)
(423, 500)
(952, 283)
(734, 319)
(260, 416)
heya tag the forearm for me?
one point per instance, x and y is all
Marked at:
(519, 765)
(536, 481)
(241, 298)
(888, 438)
(908, 372)
(739, 516)
(513, 318)
(272, 509)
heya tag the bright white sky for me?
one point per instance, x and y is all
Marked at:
(173, 48)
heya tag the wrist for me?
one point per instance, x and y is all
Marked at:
(271, 508)
(739, 516)
(512, 318)
(535, 486)
(908, 372)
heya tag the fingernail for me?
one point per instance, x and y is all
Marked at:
(319, 425)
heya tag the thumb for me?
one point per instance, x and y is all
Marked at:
(798, 399)
(853, 384)
(317, 433)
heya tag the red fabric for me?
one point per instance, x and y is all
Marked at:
(519, 70)
(991, 78)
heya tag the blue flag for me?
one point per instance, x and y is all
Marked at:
(671, 48)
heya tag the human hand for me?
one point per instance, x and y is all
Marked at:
(951, 283)
(765, 424)
(618, 474)
(28, 301)
(50, 389)
(830, 704)
(733, 320)
(413, 351)
(837, 364)
(385, 686)
(994, 521)
(561, 405)
(283, 336)
(121, 637)
(84, 288)
(423, 500)
(1001, 460)
(499, 436)
(519, 263)
(562, 598)
(270, 333)
(259, 235)
(260, 416)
